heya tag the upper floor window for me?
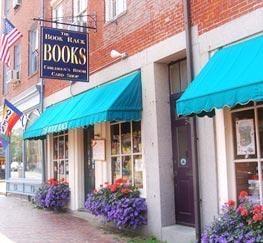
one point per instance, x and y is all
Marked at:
(33, 51)
(80, 6)
(17, 57)
(7, 7)
(57, 15)
(6, 79)
(80, 14)
(113, 8)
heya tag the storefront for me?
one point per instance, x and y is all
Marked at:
(23, 169)
(232, 80)
(110, 114)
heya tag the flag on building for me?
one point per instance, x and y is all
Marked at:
(10, 117)
(9, 36)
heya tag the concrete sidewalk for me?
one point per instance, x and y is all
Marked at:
(21, 222)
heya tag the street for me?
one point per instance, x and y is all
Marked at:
(21, 222)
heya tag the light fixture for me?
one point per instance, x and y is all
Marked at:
(116, 54)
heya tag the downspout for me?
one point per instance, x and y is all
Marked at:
(42, 95)
(190, 75)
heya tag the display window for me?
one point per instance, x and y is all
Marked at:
(60, 156)
(126, 152)
(247, 127)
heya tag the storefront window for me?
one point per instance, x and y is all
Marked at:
(33, 167)
(60, 156)
(248, 149)
(126, 149)
(16, 148)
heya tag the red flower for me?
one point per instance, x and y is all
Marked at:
(231, 203)
(243, 194)
(257, 209)
(52, 182)
(243, 212)
(113, 188)
(119, 181)
(258, 217)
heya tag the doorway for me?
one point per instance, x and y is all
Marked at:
(89, 163)
(182, 149)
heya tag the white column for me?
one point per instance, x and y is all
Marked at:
(76, 168)
(157, 147)
(101, 166)
(221, 157)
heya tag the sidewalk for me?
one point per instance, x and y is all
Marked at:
(21, 222)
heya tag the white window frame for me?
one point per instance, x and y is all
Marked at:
(59, 160)
(258, 158)
(114, 9)
(33, 50)
(80, 15)
(57, 15)
(17, 57)
(132, 154)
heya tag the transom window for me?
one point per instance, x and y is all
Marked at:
(60, 156)
(247, 123)
(178, 77)
(114, 8)
(126, 152)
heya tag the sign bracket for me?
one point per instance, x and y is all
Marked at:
(92, 23)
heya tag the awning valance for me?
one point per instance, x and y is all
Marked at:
(234, 75)
(119, 100)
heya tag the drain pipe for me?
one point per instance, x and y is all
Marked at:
(42, 94)
(190, 75)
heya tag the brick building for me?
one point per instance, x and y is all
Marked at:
(184, 178)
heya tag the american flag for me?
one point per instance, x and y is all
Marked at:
(9, 36)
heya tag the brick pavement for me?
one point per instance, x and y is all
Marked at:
(21, 222)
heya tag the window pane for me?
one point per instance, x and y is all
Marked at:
(115, 139)
(127, 168)
(17, 57)
(247, 179)
(138, 171)
(260, 127)
(55, 169)
(61, 170)
(136, 135)
(16, 165)
(55, 148)
(183, 75)
(244, 134)
(126, 138)
(66, 170)
(174, 78)
(33, 167)
(61, 147)
(116, 168)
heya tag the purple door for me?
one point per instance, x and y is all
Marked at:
(183, 172)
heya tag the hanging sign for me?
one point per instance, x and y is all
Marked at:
(64, 54)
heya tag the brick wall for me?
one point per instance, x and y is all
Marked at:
(22, 19)
(142, 25)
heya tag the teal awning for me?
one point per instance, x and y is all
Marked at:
(234, 75)
(119, 100)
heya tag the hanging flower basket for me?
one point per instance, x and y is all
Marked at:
(243, 223)
(53, 195)
(119, 203)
